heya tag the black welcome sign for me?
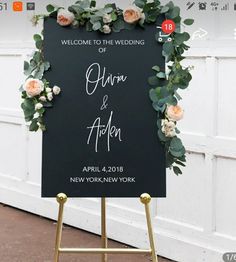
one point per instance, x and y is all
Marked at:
(101, 138)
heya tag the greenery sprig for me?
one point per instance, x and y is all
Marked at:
(37, 94)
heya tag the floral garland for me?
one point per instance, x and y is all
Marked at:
(37, 93)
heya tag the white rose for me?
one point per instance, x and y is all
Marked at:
(170, 133)
(56, 90)
(65, 17)
(142, 19)
(50, 96)
(36, 115)
(43, 98)
(106, 29)
(38, 106)
(168, 128)
(48, 89)
(107, 19)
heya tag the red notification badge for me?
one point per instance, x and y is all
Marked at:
(168, 26)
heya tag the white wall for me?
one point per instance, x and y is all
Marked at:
(196, 222)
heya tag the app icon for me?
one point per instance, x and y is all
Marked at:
(190, 5)
(199, 34)
(214, 6)
(17, 6)
(168, 26)
(202, 5)
(225, 7)
(30, 6)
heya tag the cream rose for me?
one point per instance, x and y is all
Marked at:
(174, 113)
(106, 29)
(50, 96)
(43, 98)
(38, 106)
(168, 128)
(56, 90)
(48, 90)
(33, 87)
(132, 14)
(107, 18)
(65, 17)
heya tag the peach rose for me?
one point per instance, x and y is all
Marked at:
(132, 14)
(174, 113)
(65, 17)
(33, 87)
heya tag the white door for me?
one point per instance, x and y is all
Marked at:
(196, 222)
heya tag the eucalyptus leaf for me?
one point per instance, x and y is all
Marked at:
(161, 75)
(181, 37)
(50, 8)
(178, 96)
(153, 80)
(108, 10)
(118, 25)
(37, 37)
(188, 21)
(140, 3)
(34, 125)
(153, 95)
(37, 57)
(159, 123)
(164, 9)
(85, 4)
(168, 48)
(21, 89)
(46, 66)
(97, 25)
(89, 26)
(156, 68)
(113, 16)
(39, 72)
(162, 136)
(179, 163)
(176, 144)
(94, 19)
(179, 153)
(177, 170)
(27, 68)
(39, 44)
(174, 12)
(157, 107)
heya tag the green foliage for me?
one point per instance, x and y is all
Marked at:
(188, 21)
(118, 25)
(165, 85)
(50, 8)
(97, 25)
(140, 3)
(34, 125)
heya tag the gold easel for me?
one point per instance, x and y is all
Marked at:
(144, 198)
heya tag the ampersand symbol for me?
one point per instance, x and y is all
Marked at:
(104, 103)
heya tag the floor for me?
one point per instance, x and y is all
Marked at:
(25, 237)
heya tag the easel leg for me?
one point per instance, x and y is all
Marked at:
(103, 227)
(61, 199)
(146, 199)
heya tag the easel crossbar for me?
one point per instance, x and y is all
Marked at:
(105, 250)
